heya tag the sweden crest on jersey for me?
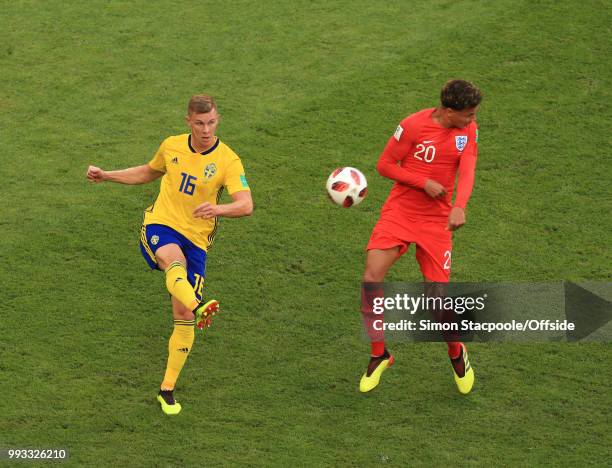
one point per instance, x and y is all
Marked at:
(461, 141)
(210, 170)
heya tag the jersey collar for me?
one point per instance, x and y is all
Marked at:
(209, 150)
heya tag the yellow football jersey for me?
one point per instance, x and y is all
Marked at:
(190, 179)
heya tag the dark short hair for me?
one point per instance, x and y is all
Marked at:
(459, 95)
(201, 104)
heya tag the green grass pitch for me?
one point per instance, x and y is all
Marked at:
(303, 87)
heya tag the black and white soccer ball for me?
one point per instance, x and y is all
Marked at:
(347, 186)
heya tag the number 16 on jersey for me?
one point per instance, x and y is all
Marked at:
(187, 183)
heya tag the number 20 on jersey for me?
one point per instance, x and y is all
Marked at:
(425, 153)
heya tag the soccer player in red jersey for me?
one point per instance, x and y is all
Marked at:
(423, 157)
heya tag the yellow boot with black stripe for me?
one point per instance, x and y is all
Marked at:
(463, 371)
(377, 365)
(168, 404)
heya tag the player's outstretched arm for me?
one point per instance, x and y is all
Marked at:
(241, 206)
(131, 176)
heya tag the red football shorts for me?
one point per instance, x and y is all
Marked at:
(434, 244)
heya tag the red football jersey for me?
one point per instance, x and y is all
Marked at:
(423, 149)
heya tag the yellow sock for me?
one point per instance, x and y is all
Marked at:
(178, 285)
(179, 347)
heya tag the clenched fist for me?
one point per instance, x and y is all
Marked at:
(95, 174)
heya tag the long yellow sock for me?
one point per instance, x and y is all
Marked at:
(178, 285)
(179, 347)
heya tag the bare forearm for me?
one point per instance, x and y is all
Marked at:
(236, 209)
(242, 205)
(133, 175)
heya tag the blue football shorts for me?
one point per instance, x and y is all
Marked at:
(154, 236)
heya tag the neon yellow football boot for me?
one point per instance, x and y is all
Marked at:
(377, 366)
(205, 312)
(168, 404)
(463, 371)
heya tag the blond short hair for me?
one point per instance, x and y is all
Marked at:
(201, 104)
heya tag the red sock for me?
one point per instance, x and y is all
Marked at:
(454, 349)
(369, 292)
(378, 348)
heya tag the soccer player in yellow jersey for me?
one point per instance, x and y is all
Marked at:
(181, 225)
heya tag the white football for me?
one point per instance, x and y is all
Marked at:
(347, 186)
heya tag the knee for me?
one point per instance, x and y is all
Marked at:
(168, 254)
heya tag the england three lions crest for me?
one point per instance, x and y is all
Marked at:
(460, 142)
